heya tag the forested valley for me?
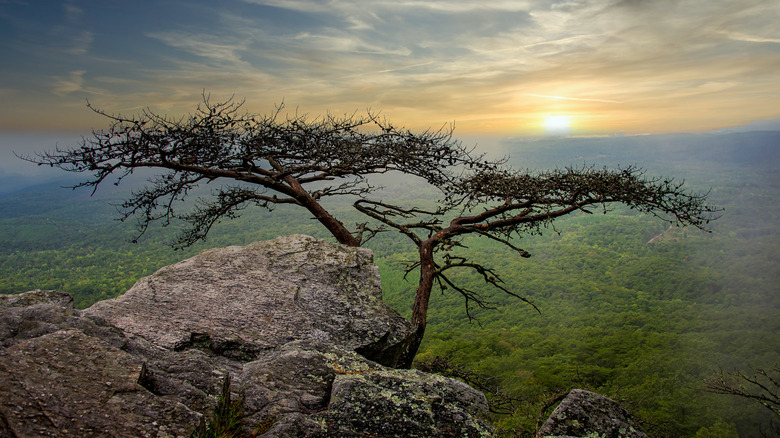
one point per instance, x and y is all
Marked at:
(629, 307)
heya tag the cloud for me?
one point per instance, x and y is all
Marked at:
(80, 43)
(750, 38)
(73, 14)
(468, 58)
(583, 99)
(350, 7)
(211, 47)
(433, 60)
(345, 43)
(63, 86)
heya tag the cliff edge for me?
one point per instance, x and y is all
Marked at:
(297, 323)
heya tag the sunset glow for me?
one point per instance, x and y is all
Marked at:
(497, 69)
(557, 125)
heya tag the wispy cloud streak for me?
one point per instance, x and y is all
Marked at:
(581, 99)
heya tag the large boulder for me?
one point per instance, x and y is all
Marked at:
(404, 403)
(244, 300)
(587, 414)
(297, 323)
(315, 390)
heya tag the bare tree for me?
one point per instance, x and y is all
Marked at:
(500, 204)
(269, 160)
(761, 385)
(260, 160)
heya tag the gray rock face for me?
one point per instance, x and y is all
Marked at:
(37, 296)
(69, 384)
(586, 414)
(18, 323)
(291, 321)
(241, 301)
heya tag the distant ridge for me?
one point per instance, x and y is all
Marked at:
(759, 148)
(760, 125)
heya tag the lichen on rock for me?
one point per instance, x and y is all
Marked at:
(328, 391)
(406, 403)
(587, 414)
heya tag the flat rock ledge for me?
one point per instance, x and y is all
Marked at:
(246, 300)
(37, 296)
(297, 323)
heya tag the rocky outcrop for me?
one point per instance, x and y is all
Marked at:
(297, 323)
(587, 414)
(241, 301)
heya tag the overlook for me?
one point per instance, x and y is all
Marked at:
(287, 333)
(618, 315)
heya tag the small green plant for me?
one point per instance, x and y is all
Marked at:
(226, 422)
(265, 425)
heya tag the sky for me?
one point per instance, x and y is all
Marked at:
(491, 68)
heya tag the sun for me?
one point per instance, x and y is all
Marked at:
(557, 125)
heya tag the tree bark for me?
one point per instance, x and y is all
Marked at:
(420, 309)
(424, 287)
(336, 228)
